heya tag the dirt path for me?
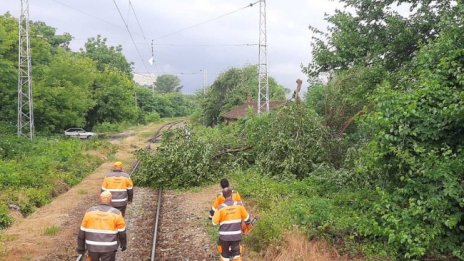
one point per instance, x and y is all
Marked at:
(50, 232)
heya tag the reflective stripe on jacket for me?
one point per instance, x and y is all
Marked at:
(121, 188)
(220, 199)
(229, 216)
(102, 230)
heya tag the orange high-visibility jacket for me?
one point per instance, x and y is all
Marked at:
(102, 230)
(121, 187)
(220, 199)
(229, 216)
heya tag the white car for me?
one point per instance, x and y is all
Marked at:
(78, 133)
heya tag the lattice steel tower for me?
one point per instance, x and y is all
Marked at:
(25, 106)
(263, 80)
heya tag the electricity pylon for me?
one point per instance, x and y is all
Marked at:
(25, 106)
(263, 80)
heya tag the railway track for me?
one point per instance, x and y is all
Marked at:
(154, 139)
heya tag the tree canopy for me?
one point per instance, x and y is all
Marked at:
(232, 88)
(75, 89)
(167, 83)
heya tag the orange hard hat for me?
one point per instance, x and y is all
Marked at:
(118, 165)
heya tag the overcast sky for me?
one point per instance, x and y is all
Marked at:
(216, 46)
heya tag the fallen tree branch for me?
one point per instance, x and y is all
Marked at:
(231, 151)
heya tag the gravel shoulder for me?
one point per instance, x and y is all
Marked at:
(183, 234)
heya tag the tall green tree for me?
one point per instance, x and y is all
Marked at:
(114, 97)
(107, 57)
(232, 88)
(62, 92)
(113, 89)
(167, 83)
(8, 67)
(374, 33)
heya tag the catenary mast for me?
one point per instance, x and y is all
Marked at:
(263, 80)
(25, 105)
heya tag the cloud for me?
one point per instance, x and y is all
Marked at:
(196, 48)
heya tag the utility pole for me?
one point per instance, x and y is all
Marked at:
(205, 80)
(263, 80)
(152, 62)
(25, 106)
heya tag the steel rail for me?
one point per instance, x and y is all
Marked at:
(155, 233)
(168, 126)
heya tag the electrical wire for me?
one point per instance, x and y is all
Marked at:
(174, 44)
(207, 21)
(163, 36)
(89, 14)
(130, 34)
(138, 23)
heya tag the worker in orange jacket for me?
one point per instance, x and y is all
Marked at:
(229, 217)
(102, 231)
(220, 198)
(121, 187)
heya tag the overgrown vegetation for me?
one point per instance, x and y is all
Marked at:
(372, 162)
(232, 88)
(31, 174)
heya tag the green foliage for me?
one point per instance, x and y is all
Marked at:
(77, 89)
(232, 88)
(107, 57)
(106, 127)
(32, 173)
(288, 143)
(152, 117)
(183, 160)
(373, 33)
(167, 105)
(167, 83)
(374, 162)
(52, 231)
(62, 92)
(416, 155)
(5, 219)
(114, 96)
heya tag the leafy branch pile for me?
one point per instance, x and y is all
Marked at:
(288, 144)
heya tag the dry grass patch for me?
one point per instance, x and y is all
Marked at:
(298, 247)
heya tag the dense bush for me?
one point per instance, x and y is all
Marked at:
(152, 117)
(290, 143)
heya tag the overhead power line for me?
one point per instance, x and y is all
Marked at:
(207, 21)
(89, 14)
(130, 34)
(138, 23)
(175, 44)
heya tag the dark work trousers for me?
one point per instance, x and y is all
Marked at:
(122, 209)
(111, 256)
(230, 248)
